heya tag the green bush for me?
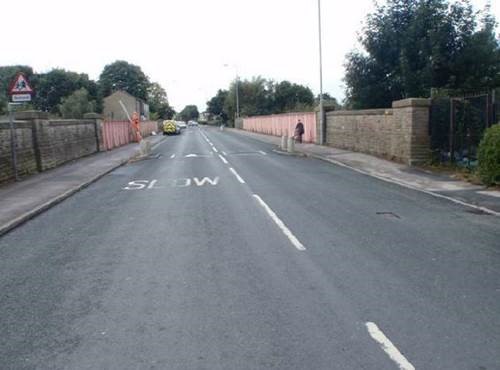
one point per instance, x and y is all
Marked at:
(489, 156)
(77, 104)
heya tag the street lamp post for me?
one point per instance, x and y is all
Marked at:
(237, 97)
(237, 82)
(321, 108)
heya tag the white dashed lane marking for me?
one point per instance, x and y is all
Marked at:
(388, 347)
(223, 159)
(293, 239)
(238, 177)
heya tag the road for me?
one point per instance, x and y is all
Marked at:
(218, 253)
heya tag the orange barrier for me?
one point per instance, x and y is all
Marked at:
(283, 124)
(115, 134)
(119, 133)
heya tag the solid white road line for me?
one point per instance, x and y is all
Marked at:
(236, 174)
(492, 193)
(223, 159)
(172, 156)
(409, 186)
(162, 141)
(296, 243)
(388, 347)
(262, 152)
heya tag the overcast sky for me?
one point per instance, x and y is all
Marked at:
(185, 44)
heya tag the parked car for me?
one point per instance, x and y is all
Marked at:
(170, 128)
(181, 124)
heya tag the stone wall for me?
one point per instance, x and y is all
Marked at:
(42, 143)
(61, 141)
(399, 134)
(26, 159)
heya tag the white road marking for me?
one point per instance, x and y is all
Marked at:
(162, 141)
(262, 152)
(223, 152)
(388, 347)
(492, 193)
(236, 174)
(152, 184)
(136, 185)
(191, 155)
(293, 239)
(223, 159)
(187, 182)
(172, 156)
(204, 180)
(408, 186)
(215, 149)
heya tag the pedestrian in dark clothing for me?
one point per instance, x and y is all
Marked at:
(299, 131)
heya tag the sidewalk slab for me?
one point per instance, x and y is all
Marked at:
(25, 199)
(440, 185)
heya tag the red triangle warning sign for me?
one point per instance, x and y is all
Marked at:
(20, 85)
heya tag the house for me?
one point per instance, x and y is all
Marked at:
(113, 110)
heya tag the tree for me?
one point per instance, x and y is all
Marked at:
(7, 74)
(122, 75)
(329, 100)
(190, 112)
(260, 96)
(77, 104)
(215, 106)
(255, 97)
(52, 86)
(168, 113)
(291, 97)
(158, 103)
(411, 46)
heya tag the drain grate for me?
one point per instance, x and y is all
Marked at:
(388, 214)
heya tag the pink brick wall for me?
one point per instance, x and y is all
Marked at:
(118, 133)
(283, 124)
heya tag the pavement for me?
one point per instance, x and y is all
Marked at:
(481, 198)
(20, 201)
(219, 253)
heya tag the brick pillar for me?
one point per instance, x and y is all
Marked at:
(412, 117)
(98, 127)
(326, 108)
(36, 119)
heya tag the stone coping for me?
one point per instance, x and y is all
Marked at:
(362, 112)
(412, 102)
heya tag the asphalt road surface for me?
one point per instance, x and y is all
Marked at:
(218, 253)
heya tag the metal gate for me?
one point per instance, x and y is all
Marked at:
(457, 124)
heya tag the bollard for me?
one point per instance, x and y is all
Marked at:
(283, 142)
(145, 148)
(291, 145)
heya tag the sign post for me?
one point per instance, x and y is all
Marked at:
(20, 92)
(13, 142)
